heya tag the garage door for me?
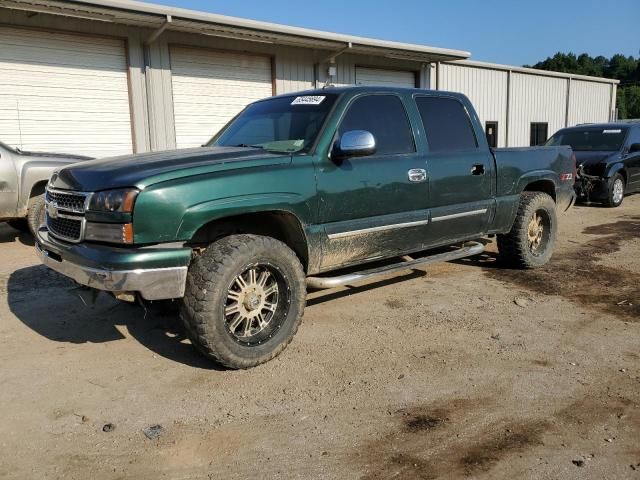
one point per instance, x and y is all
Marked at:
(387, 78)
(211, 87)
(64, 93)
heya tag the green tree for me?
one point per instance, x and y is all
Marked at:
(618, 67)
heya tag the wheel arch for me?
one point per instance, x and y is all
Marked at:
(279, 224)
(617, 168)
(544, 185)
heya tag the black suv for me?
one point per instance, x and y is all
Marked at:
(607, 157)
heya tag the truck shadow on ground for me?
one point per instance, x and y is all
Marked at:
(317, 297)
(48, 304)
(581, 274)
(9, 234)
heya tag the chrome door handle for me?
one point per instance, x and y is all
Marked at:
(417, 175)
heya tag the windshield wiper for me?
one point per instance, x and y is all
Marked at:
(244, 145)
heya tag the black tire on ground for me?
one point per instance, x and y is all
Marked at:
(35, 215)
(530, 242)
(20, 224)
(615, 191)
(244, 300)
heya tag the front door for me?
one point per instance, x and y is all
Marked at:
(8, 185)
(374, 206)
(461, 171)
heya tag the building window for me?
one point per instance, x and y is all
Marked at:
(491, 130)
(539, 133)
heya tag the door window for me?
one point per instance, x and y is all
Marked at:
(385, 118)
(447, 124)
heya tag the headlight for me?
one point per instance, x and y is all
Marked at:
(121, 200)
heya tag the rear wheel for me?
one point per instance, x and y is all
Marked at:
(244, 300)
(530, 242)
(35, 217)
(615, 193)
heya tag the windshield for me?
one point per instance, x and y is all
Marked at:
(596, 139)
(283, 124)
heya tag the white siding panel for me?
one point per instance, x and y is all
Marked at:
(385, 78)
(294, 72)
(535, 99)
(487, 90)
(589, 102)
(210, 87)
(64, 93)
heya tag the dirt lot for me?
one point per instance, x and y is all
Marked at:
(420, 376)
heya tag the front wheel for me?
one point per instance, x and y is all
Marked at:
(615, 192)
(35, 216)
(244, 300)
(530, 242)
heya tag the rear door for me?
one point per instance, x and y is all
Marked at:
(370, 207)
(632, 162)
(461, 170)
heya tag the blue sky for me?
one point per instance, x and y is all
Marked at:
(502, 31)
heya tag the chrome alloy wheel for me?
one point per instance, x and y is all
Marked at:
(537, 232)
(253, 308)
(618, 191)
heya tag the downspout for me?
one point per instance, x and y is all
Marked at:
(332, 69)
(507, 116)
(566, 113)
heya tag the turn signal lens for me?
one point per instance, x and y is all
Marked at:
(109, 232)
(127, 233)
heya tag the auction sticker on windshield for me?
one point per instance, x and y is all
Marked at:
(309, 100)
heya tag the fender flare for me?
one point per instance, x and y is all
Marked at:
(614, 168)
(197, 216)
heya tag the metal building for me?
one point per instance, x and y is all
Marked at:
(109, 77)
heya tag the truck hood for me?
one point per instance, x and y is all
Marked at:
(145, 169)
(591, 158)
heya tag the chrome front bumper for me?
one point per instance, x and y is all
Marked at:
(151, 284)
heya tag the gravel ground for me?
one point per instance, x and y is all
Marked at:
(463, 369)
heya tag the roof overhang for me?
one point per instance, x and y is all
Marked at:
(155, 17)
(535, 71)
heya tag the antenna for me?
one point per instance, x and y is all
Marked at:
(19, 124)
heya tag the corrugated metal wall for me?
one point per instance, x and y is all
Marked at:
(528, 97)
(589, 102)
(535, 99)
(487, 90)
(294, 72)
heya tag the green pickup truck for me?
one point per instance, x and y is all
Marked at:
(309, 190)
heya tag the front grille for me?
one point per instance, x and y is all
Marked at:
(65, 227)
(71, 201)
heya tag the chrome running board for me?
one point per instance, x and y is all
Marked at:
(468, 249)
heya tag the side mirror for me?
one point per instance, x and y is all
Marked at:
(354, 143)
(635, 147)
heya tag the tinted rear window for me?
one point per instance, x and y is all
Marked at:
(446, 124)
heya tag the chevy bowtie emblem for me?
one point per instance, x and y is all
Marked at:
(52, 211)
